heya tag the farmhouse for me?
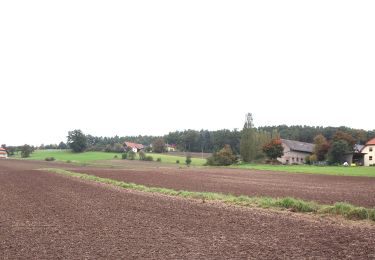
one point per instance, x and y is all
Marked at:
(170, 147)
(295, 152)
(369, 153)
(133, 146)
(3, 153)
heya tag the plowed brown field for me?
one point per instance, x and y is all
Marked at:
(321, 188)
(47, 216)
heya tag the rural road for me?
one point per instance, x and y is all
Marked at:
(47, 216)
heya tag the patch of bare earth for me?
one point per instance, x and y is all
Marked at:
(47, 216)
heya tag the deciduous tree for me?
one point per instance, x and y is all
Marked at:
(158, 145)
(321, 147)
(77, 141)
(274, 149)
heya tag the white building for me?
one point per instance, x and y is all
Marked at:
(3, 153)
(369, 153)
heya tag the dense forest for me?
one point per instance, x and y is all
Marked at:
(211, 141)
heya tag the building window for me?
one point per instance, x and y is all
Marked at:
(370, 149)
(370, 158)
(297, 159)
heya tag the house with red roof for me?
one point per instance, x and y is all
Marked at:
(133, 146)
(369, 153)
(3, 153)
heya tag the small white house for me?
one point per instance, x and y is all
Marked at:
(3, 153)
(369, 151)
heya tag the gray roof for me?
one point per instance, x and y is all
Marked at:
(358, 148)
(298, 146)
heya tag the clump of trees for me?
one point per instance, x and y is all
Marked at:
(77, 141)
(224, 157)
(114, 148)
(333, 151)
(253, 140)
(158, 145)
(26, 151)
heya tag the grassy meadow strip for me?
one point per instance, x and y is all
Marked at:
(312, 169)
(297, 205)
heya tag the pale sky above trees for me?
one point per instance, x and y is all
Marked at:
(150, 67)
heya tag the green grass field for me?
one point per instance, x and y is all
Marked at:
(172, 159)
(90, 157)
(329, 170)
(87, 157)
(65, 155)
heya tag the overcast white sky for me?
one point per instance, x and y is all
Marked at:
(150, 67)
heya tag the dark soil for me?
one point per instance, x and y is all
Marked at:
(48, 216)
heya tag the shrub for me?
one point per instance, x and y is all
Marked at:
(158, 160)
(131, 155)
(124, 156)
(177, 161)
(115, 157)
(222, 158)
(149, 158)
(68, 161)
(188, 160)
(49, 159)
(142, 156)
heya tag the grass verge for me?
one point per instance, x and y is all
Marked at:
(311, 169)
(296, 205)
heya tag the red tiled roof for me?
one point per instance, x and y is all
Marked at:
(2, 149)
(134, 145)
(371, 142)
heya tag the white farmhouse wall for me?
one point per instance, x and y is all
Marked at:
(369, 157)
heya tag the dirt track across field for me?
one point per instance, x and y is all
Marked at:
(47, 216)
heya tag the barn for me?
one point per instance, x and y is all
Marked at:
(133, 146)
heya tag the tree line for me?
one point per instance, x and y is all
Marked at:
(212, 141)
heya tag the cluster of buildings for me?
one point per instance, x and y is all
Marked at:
(295, 152)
